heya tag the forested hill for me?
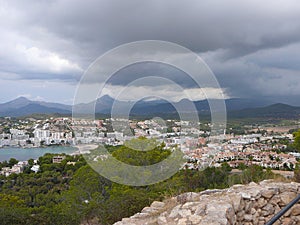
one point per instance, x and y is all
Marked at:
(272, 111)
(72, 193)
(236, 108)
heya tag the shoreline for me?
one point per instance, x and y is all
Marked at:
(34, 147)
(84, 148)
(22, 154)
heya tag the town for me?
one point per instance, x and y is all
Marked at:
(263, 147)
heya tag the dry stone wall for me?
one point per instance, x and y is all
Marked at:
(241, 204)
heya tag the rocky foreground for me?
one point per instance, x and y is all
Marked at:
(240, 204)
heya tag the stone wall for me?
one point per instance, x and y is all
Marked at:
(240, 204)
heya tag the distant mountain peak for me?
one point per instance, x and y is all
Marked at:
(237, 107)
(14, 104)
(106, 98)
(281, 105)
(20, 99)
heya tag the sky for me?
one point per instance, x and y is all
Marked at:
(251, 46)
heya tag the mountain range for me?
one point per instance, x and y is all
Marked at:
(236, 107)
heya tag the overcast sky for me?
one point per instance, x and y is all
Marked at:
(253, 47)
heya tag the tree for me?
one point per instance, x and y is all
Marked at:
(87, 193)
(297, 173)
(46, 159)
(296, 144)
(30, 162)
(12, 162)
(225, 166)
(12, 210)
(141, 152)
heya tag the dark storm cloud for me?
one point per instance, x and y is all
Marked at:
(251, 46)
(240, 27)
(141, 70)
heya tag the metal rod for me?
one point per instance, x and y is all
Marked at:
(283, 211)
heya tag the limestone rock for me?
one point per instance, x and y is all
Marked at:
(239, 205)
(187, 197)
(268, 193)
(295, 210)
(157, 204)
(286, 197)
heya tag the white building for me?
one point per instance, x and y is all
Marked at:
(35, 168)
(57, 135)
(41, 134)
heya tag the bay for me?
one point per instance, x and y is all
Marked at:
(23, 154)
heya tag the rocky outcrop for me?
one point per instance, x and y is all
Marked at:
(240, 204)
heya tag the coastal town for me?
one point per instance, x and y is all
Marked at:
(265, 148)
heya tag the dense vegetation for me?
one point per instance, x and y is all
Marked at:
(296, 143)
(64, 193)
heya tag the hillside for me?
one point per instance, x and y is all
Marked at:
(272, 111)
(22, 107)
(236, 108)
(70, 194)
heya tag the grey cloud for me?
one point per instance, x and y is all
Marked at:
(264, 74)
(245, 43)
(201, 26)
